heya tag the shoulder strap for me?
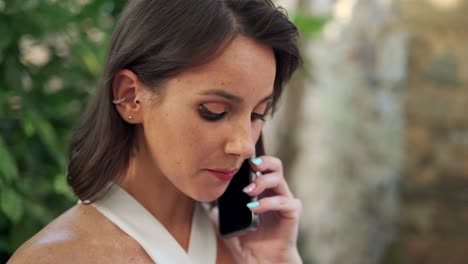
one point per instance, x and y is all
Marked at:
(130, 216)
(202, 247)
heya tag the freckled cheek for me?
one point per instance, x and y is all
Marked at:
(192, 142)
(198, 137)
(205, 141)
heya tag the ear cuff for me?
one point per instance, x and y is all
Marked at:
(119, 101)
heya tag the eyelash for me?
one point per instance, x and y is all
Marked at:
(210, 116)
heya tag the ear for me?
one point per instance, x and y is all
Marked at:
(127, 90)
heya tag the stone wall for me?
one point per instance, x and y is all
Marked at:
(383, 142)
(434, 189)
(351, 131)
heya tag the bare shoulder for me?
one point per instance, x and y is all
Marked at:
(80, 235)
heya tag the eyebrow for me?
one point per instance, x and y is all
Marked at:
(232, 97)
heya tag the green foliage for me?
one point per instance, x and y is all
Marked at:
(51, 54)
(308, 25)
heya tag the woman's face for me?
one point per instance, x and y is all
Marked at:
(206, 121)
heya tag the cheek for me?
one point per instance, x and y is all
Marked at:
(202, 139)
(183, 137)
(257, 130)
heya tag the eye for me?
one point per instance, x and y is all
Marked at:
(256, 116)
(210, 115)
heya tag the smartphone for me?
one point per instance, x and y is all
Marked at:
(234, 215)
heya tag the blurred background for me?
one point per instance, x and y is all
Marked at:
(372, 129)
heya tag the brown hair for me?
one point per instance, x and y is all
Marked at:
(157, 39)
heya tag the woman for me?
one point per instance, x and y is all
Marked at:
(180, 106)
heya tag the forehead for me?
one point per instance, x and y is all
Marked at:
(245, 68)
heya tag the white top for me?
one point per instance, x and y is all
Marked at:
(130, 216)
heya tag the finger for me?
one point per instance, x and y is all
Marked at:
(266, 164)
(273, 181)
(286, 207)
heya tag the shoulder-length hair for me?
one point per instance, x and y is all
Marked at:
(157, 39)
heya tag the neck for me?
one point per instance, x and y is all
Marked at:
(172, 208)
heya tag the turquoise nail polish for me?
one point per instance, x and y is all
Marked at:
(256, 161)
(253, 205)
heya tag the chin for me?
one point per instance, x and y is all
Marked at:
(209, 196)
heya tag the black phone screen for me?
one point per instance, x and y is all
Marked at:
(234, 215)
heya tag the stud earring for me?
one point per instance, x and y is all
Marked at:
(130, 117)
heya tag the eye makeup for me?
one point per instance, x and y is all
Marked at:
(211, 114)
(218, 111)
(266, 106)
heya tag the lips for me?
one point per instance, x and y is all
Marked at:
(224, 175)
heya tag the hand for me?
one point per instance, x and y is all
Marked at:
(275, 240)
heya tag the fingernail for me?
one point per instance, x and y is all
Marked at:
(249, 187)
(256, 161)
(253, 205)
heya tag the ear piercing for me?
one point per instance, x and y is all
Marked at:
(119, 101)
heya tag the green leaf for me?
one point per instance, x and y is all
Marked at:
(46, 132)
(307, 24)
(28, 127)
(89, 59)
(8, 168)
(4, 244)
(11, 204)
(61, 186)
(22, 231)
(12, 71)
(7, 36)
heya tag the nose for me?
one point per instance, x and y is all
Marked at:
(241, 142)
